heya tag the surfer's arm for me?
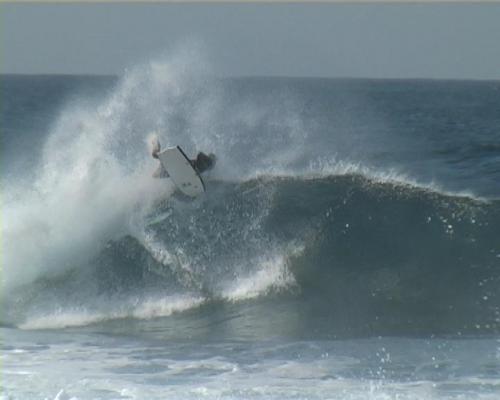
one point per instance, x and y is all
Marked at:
(155, 147)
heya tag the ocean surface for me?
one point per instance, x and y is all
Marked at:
(347, 246)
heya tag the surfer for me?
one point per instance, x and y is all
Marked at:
(201, 163)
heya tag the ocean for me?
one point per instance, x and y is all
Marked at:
(347, 245)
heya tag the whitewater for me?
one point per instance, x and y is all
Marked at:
(347, 247)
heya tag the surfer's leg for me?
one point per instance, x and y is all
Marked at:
(160, 172)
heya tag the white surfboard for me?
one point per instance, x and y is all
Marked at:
(182, 173)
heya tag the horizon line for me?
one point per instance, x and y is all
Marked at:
(346, 77)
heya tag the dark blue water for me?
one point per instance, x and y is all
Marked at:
(339, 211)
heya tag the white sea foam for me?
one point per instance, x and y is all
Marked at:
(62, 395)
(90, 366)
(148, 308)
(270, 275)
(164, 307)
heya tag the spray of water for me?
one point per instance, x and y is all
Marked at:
(95, 173)
(94, 183)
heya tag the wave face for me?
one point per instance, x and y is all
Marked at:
(343, 254)
(337, 208)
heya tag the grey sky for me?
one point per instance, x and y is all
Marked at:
(331, 40)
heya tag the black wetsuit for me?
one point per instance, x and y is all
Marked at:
(202, 162)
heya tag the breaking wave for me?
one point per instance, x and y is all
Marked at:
(344, 247)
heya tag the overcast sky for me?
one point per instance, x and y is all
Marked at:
(330, 40)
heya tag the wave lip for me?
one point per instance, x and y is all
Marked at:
(325, 168)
